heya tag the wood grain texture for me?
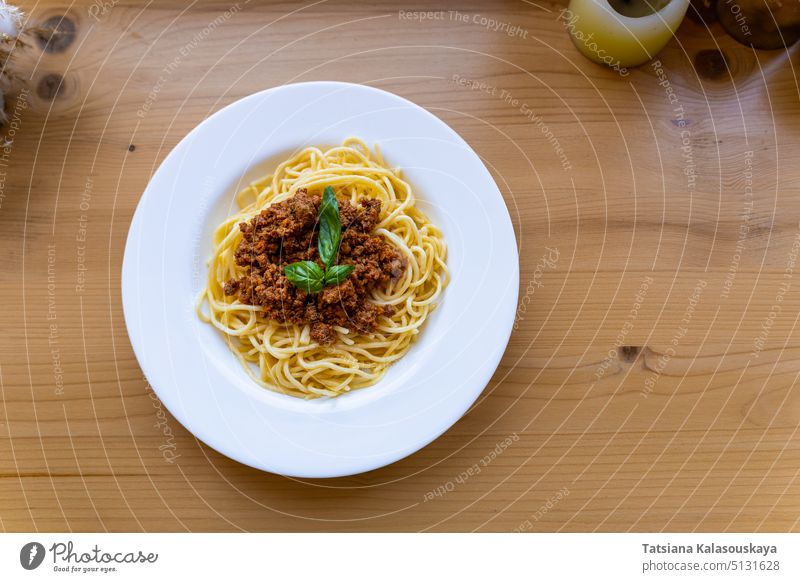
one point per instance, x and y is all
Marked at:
(683, 257)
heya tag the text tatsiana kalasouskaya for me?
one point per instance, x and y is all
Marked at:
(709, 549)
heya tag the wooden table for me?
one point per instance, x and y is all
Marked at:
(650, 383)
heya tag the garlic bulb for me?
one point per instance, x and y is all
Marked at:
(10, 19)
(10, 27)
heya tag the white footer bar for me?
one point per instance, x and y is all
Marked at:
(406, 557)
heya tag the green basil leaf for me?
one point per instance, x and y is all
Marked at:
(330, 228)
(305, 275)
(337, 274)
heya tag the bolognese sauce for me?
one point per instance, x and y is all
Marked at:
(286, 232)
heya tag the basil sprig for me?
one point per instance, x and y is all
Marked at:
(308, 275)
(337, 274)
(330, 228)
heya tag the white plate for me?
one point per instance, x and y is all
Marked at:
(188, 363)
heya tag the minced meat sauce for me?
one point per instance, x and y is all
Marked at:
(286, 232)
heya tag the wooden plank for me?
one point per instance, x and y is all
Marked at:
(648, 404)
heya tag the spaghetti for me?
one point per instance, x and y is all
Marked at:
(283, 356)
